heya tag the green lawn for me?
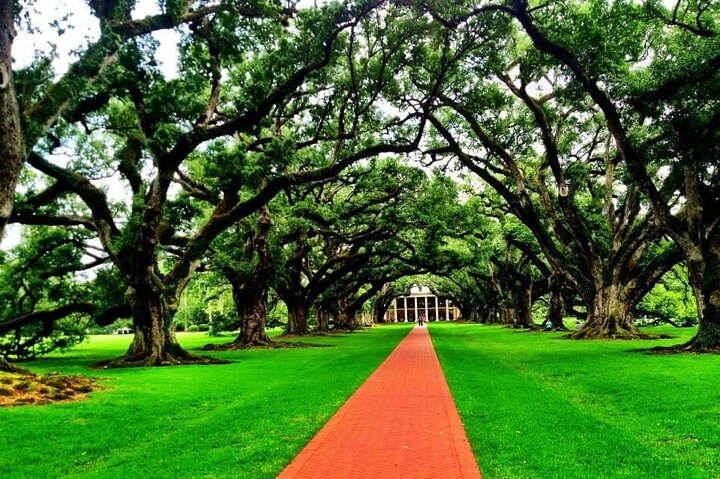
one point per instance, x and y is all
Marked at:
(536, 406)
(247, 419)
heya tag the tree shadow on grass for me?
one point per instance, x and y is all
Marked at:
(270, 345)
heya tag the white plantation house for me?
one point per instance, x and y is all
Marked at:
(421, 303)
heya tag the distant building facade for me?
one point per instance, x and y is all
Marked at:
(421, 303)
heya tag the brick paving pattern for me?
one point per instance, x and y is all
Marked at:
(401, 423)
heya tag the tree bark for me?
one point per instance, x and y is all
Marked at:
(253, 315)
(707, 338)
(252, 323)
(524, 308)
(556, 306)
(323, 318)
(297, 316)
(506, 314)
(345, 319)
(382, 304)
(154, 344)
(12, 149)
(609, 316)
(704, 276)
(8, 367)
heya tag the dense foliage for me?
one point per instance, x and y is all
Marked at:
(312, 159)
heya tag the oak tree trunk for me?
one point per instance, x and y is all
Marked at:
(8, 367)
(381, 307)
(297, 316)
(12, 150)
(524, 309)
(345, 318)
(154, 343)
(705, 278)
(253, 309)
(323, 318)
(252, 323)
(609, 316)
(506, 314)
(556, 308)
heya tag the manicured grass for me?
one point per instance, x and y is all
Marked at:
(535, 406)
(247, 419)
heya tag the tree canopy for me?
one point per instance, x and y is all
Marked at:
(515, 152)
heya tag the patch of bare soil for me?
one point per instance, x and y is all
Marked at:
(18, 389)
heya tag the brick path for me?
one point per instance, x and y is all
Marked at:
(401, 423)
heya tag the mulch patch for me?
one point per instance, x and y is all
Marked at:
(17, 389)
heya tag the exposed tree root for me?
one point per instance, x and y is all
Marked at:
(527, 329)
(620, 335)
(690, 347)
(552, 330)
(19, 389)
(9, 367)
(149, 361)
(271, 345)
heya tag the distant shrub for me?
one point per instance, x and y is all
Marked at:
(193, 328)
(203, 327)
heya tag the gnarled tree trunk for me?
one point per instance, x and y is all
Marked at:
(297, 316)
(707, 338)
(8, 367)
(252, 323)
(705, 278)
(12, 149)
(345, 319)
(323, 318)
(154, 343)
(609, 316)
(556, 307)
(524, 308)
(253, 314)
(382, 304)
(506, 314)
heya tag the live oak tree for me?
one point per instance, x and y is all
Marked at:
(516, 121)
(664, 114)
(344, 235)
(45, 106)
(242, 255)
(594, 122)
(149, 126)
(348, 238)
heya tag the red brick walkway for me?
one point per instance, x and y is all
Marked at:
(401, 423)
